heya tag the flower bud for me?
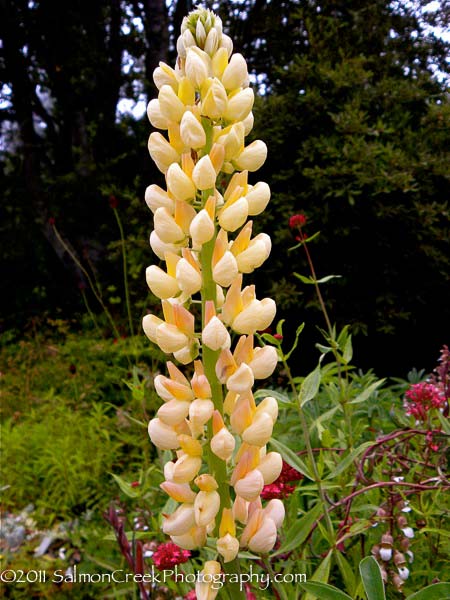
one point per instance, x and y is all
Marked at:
(160, 248)
(263, 362)
(206, 587)
(248, 123)
(166, 227)
(180, 521)
(240, 510)
(270, 406)
(204, 174)
(236, 74)
(222, 444)
(199, 382)
(215, 335)
(242, 380)
(186, 468)
(214, 102)
(225, 270)
(156, 197)
(163, 436)
(194, 538)
(257, 252)
(179, 184)
(180, 492)
(191, 131)
(234, 216)
(264, 539)
(189, 278)
(196, 66)
(270, 467)
(206, 507)
(162, 152)
(219, 62)
(173, 412)
(240, 105)
(201, 229)
(252, 157)
(227, 43)
(200, 411)
(228, 547)
(165, 75)
(170, 105)
(170, 339)
(150, 324)
(260, 431)
(206, 483)
(211, 42)
(160, 283)
(258, 198)
(155, 115)
(250, 486)
(256, 316)
(275, 511)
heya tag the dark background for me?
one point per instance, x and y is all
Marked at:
(353, 105)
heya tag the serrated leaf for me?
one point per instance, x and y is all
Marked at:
(310, 386)
(436, 591)
(126, 488)
(300, 530)
(372, 579)
(291, 458)
(324, 591)
(348, 460)
(365, 394)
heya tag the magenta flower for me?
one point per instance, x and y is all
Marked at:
(168, 555)
(421, 398)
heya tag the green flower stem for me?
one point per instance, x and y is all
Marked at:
(217, 466)
(310, 454)
(125, 271)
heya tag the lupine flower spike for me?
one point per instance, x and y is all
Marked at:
(209, 418)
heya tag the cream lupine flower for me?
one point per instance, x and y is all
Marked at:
(204, 239)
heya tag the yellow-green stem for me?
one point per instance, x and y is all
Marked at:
(311, 456)
(217, 466)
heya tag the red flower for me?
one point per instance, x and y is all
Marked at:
(278, 336)
(297, 221)
(191, 595)
(421, 398)
(135, 484)
(168, 555)
(280, 488)
(277, 490)
(113, 202)
(249, 595)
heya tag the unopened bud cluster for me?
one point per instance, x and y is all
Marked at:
(202, 233)
(392, 554)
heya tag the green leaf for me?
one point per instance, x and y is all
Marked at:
(365, 394)
(275, 394)
(348, 460)
(371, 578)
(321, 574)
(291, 458)
(126, 488)
(310, 386)
(436, 591)
(269, 338)
(294, 345)
(348, 350)
(441, 532)
(327, 278)
(323, 591)
(300, 530)
(347, 572)
(308, 280)
(280, 326)
(137, 535)
(444, 422)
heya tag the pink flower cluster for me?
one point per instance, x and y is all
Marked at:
(281, 487)
(168, 555)
(421, 398)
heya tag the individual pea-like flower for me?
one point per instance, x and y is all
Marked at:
(209, 421)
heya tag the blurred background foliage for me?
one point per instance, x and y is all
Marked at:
(352, 103)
